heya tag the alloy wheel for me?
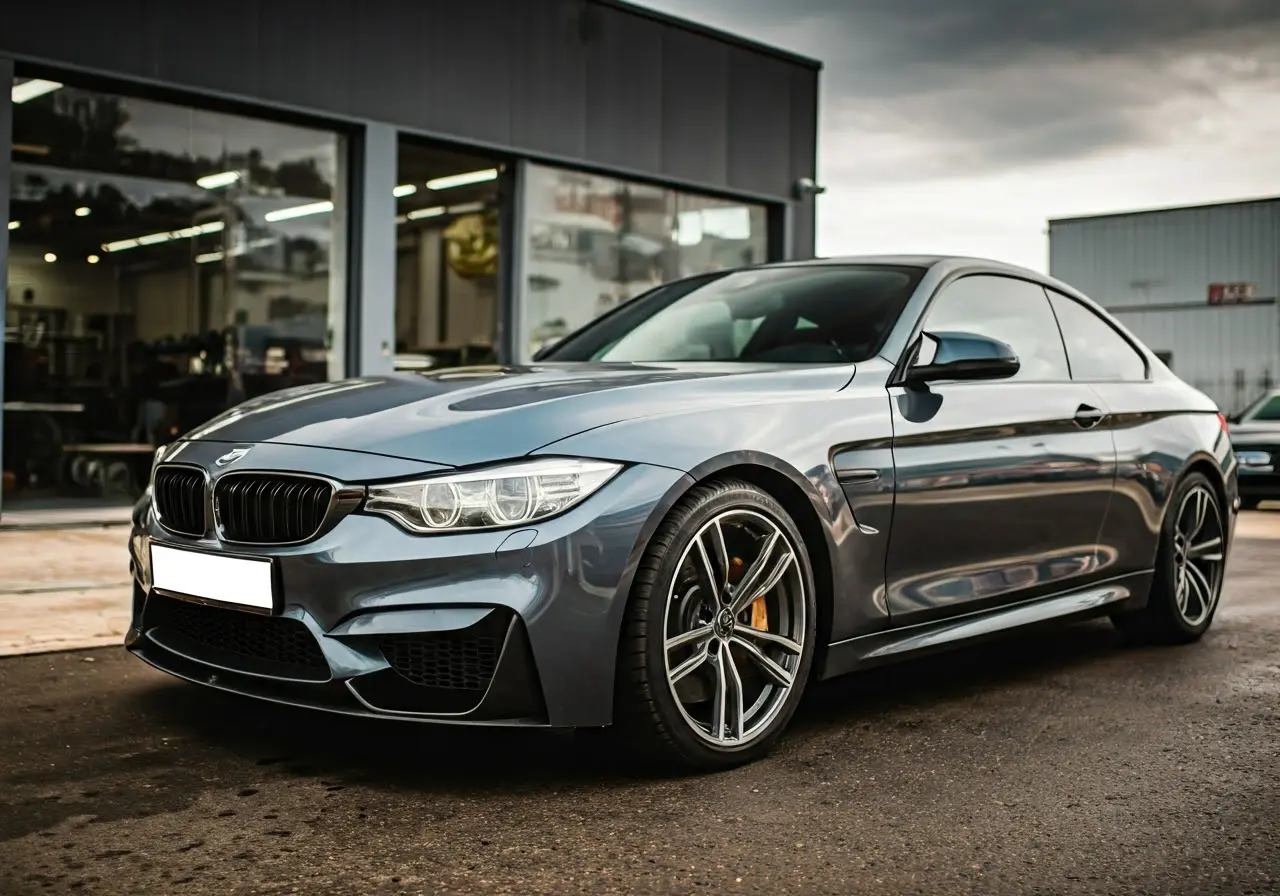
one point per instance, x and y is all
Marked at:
(734, 627)
(1199, 552)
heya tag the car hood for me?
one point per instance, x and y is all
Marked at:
(464, 416)
(1243, 434)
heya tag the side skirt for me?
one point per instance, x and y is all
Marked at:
(878, 648)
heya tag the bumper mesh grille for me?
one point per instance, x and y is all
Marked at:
(236, 639)
(462, 660)
(178, 493)
(270, 508)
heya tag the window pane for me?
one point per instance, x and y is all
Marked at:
(596, 242)
(1096, 351)
(446, 258)
(1269, 410)
(1013, 311)
(165, 263)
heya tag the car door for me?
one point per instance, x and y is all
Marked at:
(1002, 484)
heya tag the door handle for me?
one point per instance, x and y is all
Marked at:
(1088, 416)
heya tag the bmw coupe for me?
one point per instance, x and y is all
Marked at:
(672, 522)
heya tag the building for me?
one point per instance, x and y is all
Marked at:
(1197, 284)
(207, 206)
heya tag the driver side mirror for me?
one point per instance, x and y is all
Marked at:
(961, 356)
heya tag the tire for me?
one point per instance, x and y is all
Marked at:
(1172, 616)
(669, 599)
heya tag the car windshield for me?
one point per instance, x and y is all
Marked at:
(1268, 409)
(816, 314)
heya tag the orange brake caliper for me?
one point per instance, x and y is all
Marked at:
(759, 611)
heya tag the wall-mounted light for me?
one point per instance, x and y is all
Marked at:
(50, 257)
(14, 225)
(807, 186)
(463, 180)
(83, 211)
(29, 90)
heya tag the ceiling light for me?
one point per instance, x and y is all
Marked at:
(466, 208)
(29, 90)
(82, 211)
(221, 179)
(462, 180)
(433, 212)
(92, 259)
(207, 257)
(152, 238)
(14, 225)
(404, 190)
(299, 211)
(50, 257)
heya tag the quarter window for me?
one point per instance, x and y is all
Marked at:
(1013, 311)
(1094, 348)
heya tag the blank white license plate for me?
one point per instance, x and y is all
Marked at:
(230, 580)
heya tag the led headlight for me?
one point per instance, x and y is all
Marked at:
(491, 498)
(1254, 458)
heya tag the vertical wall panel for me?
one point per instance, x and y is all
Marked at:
(803, 130)
(695, 114)
(549, 98)
(757, 82)
(624, 93)
(375, 180)
(6, 153)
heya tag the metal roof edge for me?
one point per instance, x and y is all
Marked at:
(1156, 210)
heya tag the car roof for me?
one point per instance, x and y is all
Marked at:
(940, 264)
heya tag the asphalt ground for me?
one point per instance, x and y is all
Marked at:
(1056, 762)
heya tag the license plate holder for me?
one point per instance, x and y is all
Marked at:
(224, 580)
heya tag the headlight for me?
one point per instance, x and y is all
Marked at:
(1253, 458)
(493, 498)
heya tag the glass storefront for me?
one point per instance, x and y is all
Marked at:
(595, 242)
(447, 257)
(165, 262)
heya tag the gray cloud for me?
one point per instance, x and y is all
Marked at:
(993, 83)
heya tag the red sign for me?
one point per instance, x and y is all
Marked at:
(1230, 293)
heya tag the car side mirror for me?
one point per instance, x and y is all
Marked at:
(961, 356)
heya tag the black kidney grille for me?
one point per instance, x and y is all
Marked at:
(462, 660)
(178, 493)
(236, 639)
(270, 508)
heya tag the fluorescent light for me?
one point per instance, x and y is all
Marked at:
(404, 190)
(29, 90)
(50, 257)
(462, 180)
(83, 211)
(152, 239)
(299, 211)
(14, 225)
(207, 257)
(93, 259)
(433, 212)
(466, 208)
(221, 179)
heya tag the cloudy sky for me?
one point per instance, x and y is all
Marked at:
(962, 125)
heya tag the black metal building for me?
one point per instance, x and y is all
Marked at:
(206, 203)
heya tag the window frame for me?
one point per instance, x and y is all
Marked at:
(899, 374)
(1050, 292)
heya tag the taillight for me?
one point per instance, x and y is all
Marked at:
(1222, 422)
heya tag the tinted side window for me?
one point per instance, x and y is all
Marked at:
(1096, 351)
(1013, 311)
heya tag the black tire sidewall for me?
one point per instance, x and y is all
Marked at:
(729, 496)
(1164, 600)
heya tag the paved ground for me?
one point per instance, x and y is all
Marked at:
(1060, 763)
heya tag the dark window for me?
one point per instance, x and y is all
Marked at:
(1268, 409)
(1094, 348)
(1013, 311)
(817, 314)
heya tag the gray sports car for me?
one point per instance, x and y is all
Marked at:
(676, 519)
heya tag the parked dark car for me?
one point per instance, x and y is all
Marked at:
(678, 517)
(1255, 432)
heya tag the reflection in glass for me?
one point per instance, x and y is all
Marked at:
(447, 226)
(595, 242)
(165, 263)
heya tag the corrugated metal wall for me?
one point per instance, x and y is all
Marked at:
(1154, 269)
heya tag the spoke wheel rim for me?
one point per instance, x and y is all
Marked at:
(733, 628)
(1199, 545)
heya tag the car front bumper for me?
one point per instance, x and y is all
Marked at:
(497, 628)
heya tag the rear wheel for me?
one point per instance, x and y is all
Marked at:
(1190, 564)
(719, 632)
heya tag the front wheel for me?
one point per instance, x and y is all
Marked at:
(1190, 565)
(719, 632)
